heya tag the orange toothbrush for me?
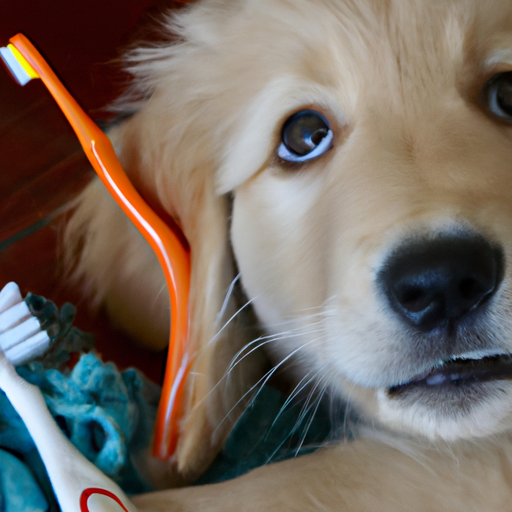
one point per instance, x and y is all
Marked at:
(26, 63)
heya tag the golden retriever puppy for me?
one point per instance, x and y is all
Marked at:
(348, 164)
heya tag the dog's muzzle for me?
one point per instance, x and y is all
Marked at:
(440, 288)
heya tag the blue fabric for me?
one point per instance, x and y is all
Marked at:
(19, 490)
(107, 415)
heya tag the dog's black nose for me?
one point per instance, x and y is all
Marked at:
(431, 282)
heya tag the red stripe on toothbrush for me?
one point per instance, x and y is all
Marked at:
(87, 493)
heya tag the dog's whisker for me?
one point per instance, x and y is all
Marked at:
(305, 408)
(320, 312)
(162, 290)
(274, 337)
(264, 340)
(233, 316)
(276, 451)
(241, 351)
(221, 330)
(267, 340)
(227, 373)
(234, 363)
(261, 382)
(271, 372)
(264, 378)
(228, 296)
(297, 423)
(311, 418)
(293, 333)
(296, 391)
(303, 321)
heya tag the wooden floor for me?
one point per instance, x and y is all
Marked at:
(42, 166)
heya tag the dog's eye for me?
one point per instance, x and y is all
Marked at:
(305, 135)
(499, 95)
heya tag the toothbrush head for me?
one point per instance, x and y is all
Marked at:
(20, 69)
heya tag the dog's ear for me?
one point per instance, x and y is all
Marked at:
(170, 160)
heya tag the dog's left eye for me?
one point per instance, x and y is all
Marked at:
(305, 135)
(499, 95)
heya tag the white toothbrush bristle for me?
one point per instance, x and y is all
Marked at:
(9, 296)
(31, 348)
(17, 70)
(21, 337)
(19, 333)
(14, 316)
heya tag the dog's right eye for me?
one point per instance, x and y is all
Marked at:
(499, 95)
(305, 135)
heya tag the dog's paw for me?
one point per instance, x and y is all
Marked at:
(21, 337)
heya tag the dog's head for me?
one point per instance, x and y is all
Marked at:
(366, 148)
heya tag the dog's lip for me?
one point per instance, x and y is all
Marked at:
(469, 367)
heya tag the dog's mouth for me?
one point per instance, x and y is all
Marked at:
(462, 370)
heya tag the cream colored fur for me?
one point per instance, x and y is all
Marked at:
(415, 151)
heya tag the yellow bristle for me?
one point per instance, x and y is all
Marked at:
(31, 72)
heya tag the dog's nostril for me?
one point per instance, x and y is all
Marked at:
(472, 289)
(413, 298)
(433, 281)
